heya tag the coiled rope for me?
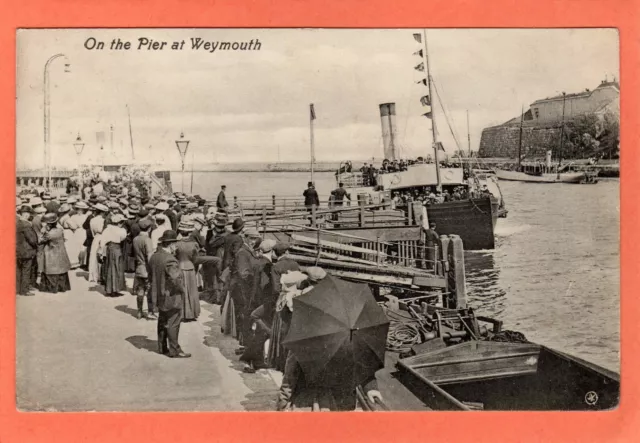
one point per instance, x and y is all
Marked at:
(404, 332)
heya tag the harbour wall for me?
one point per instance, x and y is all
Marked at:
(503, 141)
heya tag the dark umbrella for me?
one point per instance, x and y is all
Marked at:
(338, 333)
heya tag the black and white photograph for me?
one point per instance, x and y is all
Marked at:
(314, 219)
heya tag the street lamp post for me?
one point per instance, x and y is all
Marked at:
(78, 146)
(182, 146)
(47, 115)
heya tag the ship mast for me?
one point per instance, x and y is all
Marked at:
(133, 156)
(433, 116)
(520, 140)
(468, 134)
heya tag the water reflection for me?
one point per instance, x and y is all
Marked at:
(484, 292)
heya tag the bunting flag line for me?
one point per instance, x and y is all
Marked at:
(423, 81)
(419, 67)
(418, 53)
(426, 101)
(313, 112)
(418, 37)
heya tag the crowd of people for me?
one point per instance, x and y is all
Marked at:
(370, 173)
(429, 195)
(178, 248)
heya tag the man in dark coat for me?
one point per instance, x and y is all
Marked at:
(221, 203)
(26, 249)
(340, 194)
(171, 214)
(232, 243)
(431, 240)
(88, 241)
(214, 246)
(167, 287)
(258, 331)
(311, 196)
(242, 281)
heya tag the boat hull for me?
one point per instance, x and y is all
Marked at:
(564, 177)
(473, 220)
(508, 376)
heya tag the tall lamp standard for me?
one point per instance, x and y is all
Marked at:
(47, 114)
(182, 146)
(78, 146)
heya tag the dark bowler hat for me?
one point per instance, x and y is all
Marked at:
(237, 225)
(143, 212)
(168, 237)
(26, 208)
(310, 184)
(50, 218)
(280, 248)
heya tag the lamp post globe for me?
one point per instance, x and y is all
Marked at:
(182, 146)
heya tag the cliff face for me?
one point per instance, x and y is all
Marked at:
(502, 141)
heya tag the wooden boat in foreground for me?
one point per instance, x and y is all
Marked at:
(486, 375)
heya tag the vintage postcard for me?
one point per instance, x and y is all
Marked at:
(317, 219)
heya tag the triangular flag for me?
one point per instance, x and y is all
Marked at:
(419, 67)
(427, 114)
(418, 38)
(439, 146)
(423, 81)
(426, 101)
(418, 53)
(313, 112)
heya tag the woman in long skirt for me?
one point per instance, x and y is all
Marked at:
(79, 233)
(186, 253)
(55, 275)
(97, 228)
(112, 257)
(68, 226)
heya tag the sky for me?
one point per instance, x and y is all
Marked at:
(253, 106)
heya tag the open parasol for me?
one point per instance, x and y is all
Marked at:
(338, 334)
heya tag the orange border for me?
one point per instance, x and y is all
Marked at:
(616, 425)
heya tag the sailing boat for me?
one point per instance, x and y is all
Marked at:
(539, 172)
(473, 219)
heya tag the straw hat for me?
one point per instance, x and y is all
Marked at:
(101, 207)
(220, 220)
(81, 205)
(39, 210)
(162, 206)
(316, 273)
(64, 208)
(199, 218)
(251, 233)
(267, 246)
(185, 226)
